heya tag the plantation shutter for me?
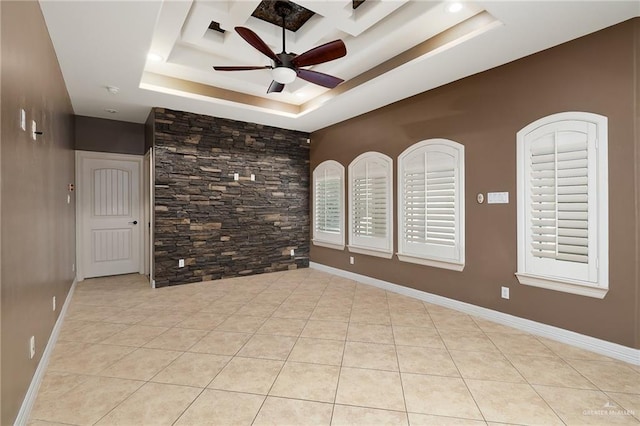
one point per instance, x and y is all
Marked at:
(430, 213)
(370, 203)
(328, 209)
(561, 189)
(431, 202)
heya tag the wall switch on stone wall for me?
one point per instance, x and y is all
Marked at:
(181, 263)
(293, 252)
(253, 177)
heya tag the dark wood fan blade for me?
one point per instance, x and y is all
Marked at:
(275, 87)
(324, 80)
(325, 53)
(255, 41)
(242, 68)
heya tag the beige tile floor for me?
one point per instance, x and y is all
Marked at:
(308, 348)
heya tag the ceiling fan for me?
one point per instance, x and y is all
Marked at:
(287, 66)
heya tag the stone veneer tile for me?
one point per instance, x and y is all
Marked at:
(223, 227)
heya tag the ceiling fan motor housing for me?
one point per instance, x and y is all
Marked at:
(285, 60)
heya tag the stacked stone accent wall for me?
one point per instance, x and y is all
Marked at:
(219, 226)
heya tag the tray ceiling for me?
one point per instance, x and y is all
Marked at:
(396, 49)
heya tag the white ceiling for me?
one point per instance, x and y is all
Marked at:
(396, 49)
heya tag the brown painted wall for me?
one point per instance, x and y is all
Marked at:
(37, 224)
(483, 112)
(99, 134)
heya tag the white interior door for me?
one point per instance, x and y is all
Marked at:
(110, 216)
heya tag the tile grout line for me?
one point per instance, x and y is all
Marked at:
(344, 349)
(456, 365)
(395, 347)
(505, 355)
(207, 385)
(283, 361)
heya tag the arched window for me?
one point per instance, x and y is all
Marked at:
(431, 204)
(328, 205)
(563, 204)
(370, 205)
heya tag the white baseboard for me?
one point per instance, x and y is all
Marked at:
(32, 392)
(589, 343)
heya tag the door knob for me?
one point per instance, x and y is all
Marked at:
(135, 222)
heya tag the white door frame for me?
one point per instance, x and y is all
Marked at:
(80, 156)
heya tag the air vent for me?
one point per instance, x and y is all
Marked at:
(357, 3)
(215, 26)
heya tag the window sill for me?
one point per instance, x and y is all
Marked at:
(371, 252)
(328, 245)
(444, 264)
(566, 286)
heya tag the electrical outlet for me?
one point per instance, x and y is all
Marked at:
(181, 263)
(293, 252)
(236, 176)
(504, 292)
(54, 303)
(32, 347)
(351, 260)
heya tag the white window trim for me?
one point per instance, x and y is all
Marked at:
(579, 287)
(438, 262)
(324, 239)
(361, 248)
(444, 263)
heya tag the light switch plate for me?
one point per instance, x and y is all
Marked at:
(23, 119)
(498, 198)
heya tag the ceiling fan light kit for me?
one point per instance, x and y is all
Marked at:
(287, 66)
(283, 75)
